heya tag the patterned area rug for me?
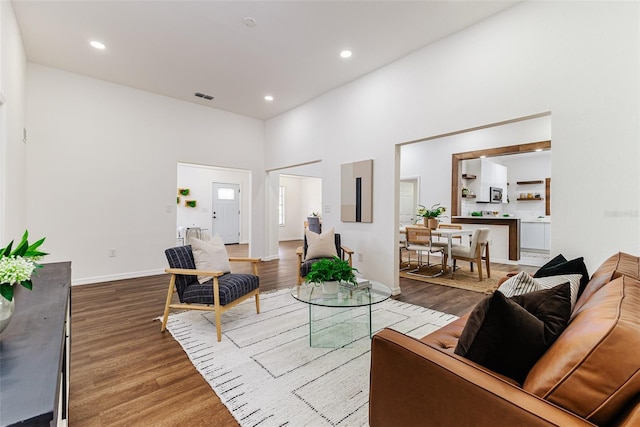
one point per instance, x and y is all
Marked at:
(266, 374)
(463, 278)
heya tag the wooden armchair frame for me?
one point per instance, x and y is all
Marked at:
(216, 307)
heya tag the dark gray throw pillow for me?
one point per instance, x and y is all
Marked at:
(575, 266)
(509, 335)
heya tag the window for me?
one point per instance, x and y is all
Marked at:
(281, 206)
(226, 194)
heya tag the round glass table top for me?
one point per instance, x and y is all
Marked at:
(311, 293)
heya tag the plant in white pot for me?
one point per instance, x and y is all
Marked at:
(329, 272)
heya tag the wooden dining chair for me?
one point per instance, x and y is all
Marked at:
(420, 240)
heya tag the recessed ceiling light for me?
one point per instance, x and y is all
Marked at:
(97, 44)
(249, 21)
(268, 98)
(346, 54)
(538, 149)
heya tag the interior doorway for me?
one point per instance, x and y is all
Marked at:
(195, 208)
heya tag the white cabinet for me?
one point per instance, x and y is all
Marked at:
(535, 235)
(489, 175)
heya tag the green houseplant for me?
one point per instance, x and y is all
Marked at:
(430, 216)
(332, 270)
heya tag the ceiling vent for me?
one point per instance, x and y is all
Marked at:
(205, 96)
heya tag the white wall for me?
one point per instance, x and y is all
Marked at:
(199, 180)
(577, 60)
(13, 171)
(102, 170)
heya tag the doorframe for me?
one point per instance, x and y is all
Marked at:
(457, 158)
(246, 206)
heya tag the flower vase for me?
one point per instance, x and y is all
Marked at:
(6, 312)
(330, 288)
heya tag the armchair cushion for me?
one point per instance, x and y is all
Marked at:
(231, 286)
(210, 256)
(320, 245)
(508, 335)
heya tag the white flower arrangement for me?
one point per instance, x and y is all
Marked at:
(18, 266)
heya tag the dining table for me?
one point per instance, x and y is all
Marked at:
(449, 233)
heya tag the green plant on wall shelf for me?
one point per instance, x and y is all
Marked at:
(183, 191)
(190, 203)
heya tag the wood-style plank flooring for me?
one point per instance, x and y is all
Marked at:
(125, 372)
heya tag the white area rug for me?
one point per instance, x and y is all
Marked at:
(264, 371)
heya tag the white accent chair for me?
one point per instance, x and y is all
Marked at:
(476, 252)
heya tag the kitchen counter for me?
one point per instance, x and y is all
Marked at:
(512, 222)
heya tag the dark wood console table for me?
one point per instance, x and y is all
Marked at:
(34, 351)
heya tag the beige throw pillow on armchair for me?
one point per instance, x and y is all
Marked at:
(320, 245)
(210, 256)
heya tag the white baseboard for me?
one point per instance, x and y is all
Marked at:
(271, 258)
(111, 277)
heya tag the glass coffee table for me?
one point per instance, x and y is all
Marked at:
(340, 319)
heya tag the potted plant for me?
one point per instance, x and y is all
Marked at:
(430, 216)
(329, 272)
(16, 267)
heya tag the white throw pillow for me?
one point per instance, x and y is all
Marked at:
(320, 245)
(523, 283)
(210, 256)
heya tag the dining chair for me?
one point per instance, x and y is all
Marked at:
(419, 239)
(474, 253)
(402, 246)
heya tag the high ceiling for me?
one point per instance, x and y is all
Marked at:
(178, 48)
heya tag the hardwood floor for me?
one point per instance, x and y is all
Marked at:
(125, 372)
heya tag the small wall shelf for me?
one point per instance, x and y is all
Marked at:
(468, 176)
(529, 182)
(472, 196)
(530, 198)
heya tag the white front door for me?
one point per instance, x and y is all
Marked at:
(225, 217)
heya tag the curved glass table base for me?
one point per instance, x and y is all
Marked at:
(341, 319)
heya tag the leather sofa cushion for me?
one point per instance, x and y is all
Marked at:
(613, 267)
(446, 338)
(593, 368)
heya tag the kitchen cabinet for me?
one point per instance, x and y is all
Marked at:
(535, 235)
(488, 175)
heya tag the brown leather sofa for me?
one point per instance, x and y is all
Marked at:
(589, 376)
